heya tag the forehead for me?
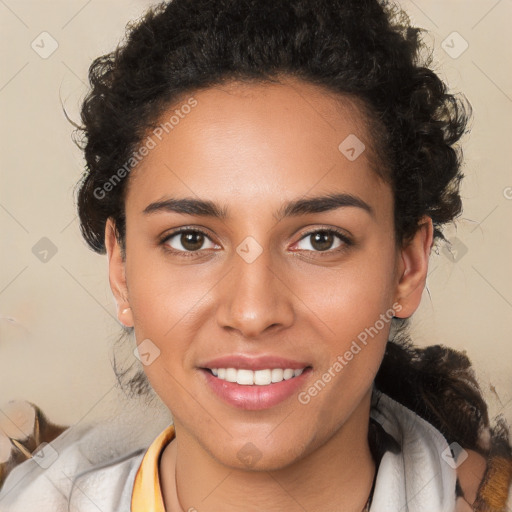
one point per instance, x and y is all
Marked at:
(257, 140)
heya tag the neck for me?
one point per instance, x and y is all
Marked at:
(336, 476)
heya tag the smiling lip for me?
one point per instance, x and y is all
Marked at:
(240, 362)
(254, 397)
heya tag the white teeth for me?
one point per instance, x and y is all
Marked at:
(258, 377)
(277, 375)
(245, 377)
(288, 374)
(263, 377)
(231, 375)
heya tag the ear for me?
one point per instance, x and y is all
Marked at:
(413, 268)
(117, 275)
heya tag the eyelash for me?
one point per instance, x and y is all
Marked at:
(347, 242)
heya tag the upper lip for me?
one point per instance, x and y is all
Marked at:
(241, 361)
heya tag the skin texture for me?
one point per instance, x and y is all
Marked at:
(251, 148)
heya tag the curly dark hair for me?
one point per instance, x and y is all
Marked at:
(350, 47)
(365, 50)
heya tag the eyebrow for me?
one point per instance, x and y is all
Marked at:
(303, 206)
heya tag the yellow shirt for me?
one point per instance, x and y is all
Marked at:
(147, 494)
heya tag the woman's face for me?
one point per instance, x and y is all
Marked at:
(315, 285)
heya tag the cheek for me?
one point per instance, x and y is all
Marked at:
(352, 296)
(353, 308)
(162, 295)
(354, 319)
(163, 301)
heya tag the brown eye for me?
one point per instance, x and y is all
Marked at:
(192, 241)
(324, 240)
(189, 240)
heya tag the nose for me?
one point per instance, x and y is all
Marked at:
(254, 297)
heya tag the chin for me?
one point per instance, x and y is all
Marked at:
(249, 456)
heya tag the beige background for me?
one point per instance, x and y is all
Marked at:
(57, 319)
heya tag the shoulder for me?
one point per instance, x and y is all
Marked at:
(452, 474)
(84, 468)
(87, 465)
(69, 477)
(416, 475)
(107, 487)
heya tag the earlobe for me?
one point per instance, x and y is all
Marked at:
(117, 275)
(413, 268)
(124, 315)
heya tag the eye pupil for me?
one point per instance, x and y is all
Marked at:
(320, 245)
(192, 240)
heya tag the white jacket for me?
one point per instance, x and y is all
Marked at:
(96, 467)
